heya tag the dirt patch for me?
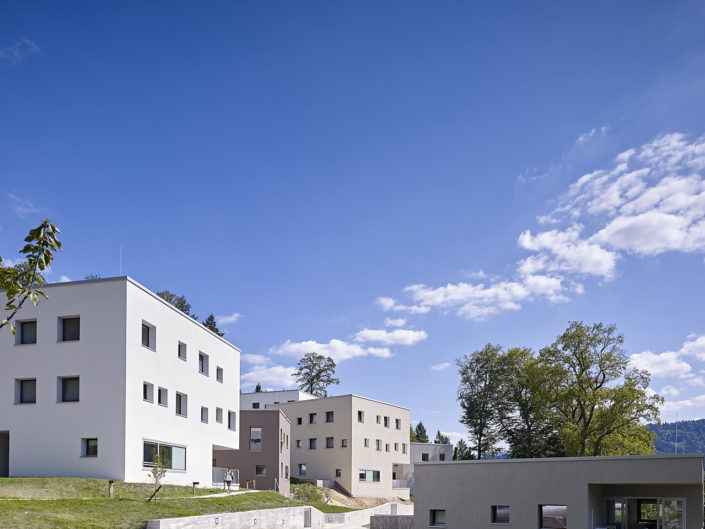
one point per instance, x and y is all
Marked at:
(336, 498)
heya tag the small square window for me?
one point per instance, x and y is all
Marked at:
(232, 420)
(312, 418)
(298, 443)
(68, 389)
(500, 514)
(203, 363)
(438, 518)
(219, 415)
(360, 416)
(163, 396)
(344, 443)
(28, 332)
(147, 392)
(312, 444)
(89, 447)
(26, 391)
(204, 414)
(330, 442)
(219, 374)
(424, 457)
(69, 329)
(338, 472)
(553, 516)
(181, 404)
(181, 351)
(302, 469)
(149, 335)
(330, 416)
(260, 470)
(255, 405)
(299, 420)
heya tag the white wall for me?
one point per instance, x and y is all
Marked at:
(266, 398)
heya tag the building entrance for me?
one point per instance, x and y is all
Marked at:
(4, 454)
(646, 513)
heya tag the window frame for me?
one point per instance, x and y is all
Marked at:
(313, 443)
(147, 465)
(330, 442)
(151, 336)
(219, 415)
(87, 450)
(204, 409)
(255, 442)
(19, 390)
(21, 332)
(232, 420)
(219, 374)
(330, 415)
(541, 515)
(181, 404)
(433, 513)
(494, 509)
(61, 389)
(148, 392)
(181, 345)
(162, 402)
(203, 364)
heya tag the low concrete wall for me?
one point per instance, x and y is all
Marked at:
(390, 521)
(284, 518)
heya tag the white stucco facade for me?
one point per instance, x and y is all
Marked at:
(121, 393)
(259, 400)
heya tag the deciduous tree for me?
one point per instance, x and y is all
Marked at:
(315, 373)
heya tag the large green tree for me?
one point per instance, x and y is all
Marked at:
(24, 281)
(180, 302)
(601, 405)
(421, 433)
(315, 373)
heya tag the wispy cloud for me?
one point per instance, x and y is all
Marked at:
(228, 319)
(22, 206)
(338, 350)
(64, 279)
(395, 337)
(388, 304)
(19, 51)
(395, 322)
(591, 135)
(441, 366)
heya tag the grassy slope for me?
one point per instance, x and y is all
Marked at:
(68, 503)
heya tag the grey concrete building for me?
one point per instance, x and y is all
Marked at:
(263, 459)
(631, 492)
(422, 452)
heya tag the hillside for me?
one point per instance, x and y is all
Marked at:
(691, 437)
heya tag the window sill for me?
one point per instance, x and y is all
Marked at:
(219, 422)
(163, 405)
(182, 415)
(24, 403)
(204, 422)
(149, 469)
(30, 343)
(203, 373)
(148, 400)
(154, 349)
(89, 457)
(68, 341)
(68, 401)
(182, 359)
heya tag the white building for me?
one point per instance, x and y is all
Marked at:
(259, 400)
(423, 452)
(104, 374)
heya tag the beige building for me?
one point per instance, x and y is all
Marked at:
(630, 492)
(350, 442)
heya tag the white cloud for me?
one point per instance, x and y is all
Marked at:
(64, 279)
(666, 364)
(670, 391)
(456, 436)
(274, 376)
(228, 319)
(441, 366)
(395, 337)
(686, 403)
(395, 322)
(254, 359)
(18, 51)
(338, 350)
(694, 346)
(22, 206)
(590, 135)
(388, 304)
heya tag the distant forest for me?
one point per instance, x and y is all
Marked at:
(691, 437)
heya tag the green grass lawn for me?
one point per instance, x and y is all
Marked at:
(71, 503)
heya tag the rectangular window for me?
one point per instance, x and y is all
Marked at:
(500, 514)
(255, 439)
(286, 471)
(299, 420)
(441, 457)
(147, 392)
(329, 416)
(379, 419)
(70, 329)
(367, 443)
(344, 443)
(553, 516)
(338, 472)
(396, 447)
(204, 414)
(281, 470)
(403, 448)
(232, 420)
(219, 415)
(378, 445)
(149, 335)
(26, 391)
(386, 447)
(298, 443)
(28, 332)
(312, 444)
(255, 405)
(163, 396)
(312, 418)
(360, 416)
(424, 457)
(203, 363)
(302, 469)
(438, 518)
(181, 351)
(369, 476)
(181, 404)
(261, 470)
(330, 442)
(397, 424)
(386, 422)
(68, 389)
(89, 447)
(219, 374)
(173, 457)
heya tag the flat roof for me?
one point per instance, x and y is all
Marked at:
(586, 459)
(128, 279)
(432, 444)
(278, 391)
(340, 397)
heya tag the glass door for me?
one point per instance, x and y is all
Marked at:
(671, 513)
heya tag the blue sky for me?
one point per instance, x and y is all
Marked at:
(395, 183)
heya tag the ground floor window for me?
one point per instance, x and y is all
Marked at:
(553, 516)
(302, 469)
(173, 457)
(500, 514)
(437, 518)
(260, 470)
(89, 447)
(369, 476)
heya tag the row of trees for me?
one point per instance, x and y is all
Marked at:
(576, 397)
(181, 303)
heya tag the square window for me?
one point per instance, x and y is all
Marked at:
(344, 443)
(360, 416)
(302, 469)
(553, 516)
(330, 442)
(232, 420)
(298, 443)
(148, 392)
(26, 391)
(261, 470)
(68, 389)
(312, 418)
(330, 416)
(69, 329)
(438, 518)
(203, 363)
(312, 444)
(219, 415)
(204, 414)
(219, 374)
(338, 472)
(397, 424)
(500, 514)
(89, 447)
(181, 351)
(163, 396)
(299, 420)
(424, 457)
(149, 335)
(255, 439)
(255, 405)
(28, 332)
(181, 404)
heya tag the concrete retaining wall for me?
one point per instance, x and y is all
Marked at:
(390, 521)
